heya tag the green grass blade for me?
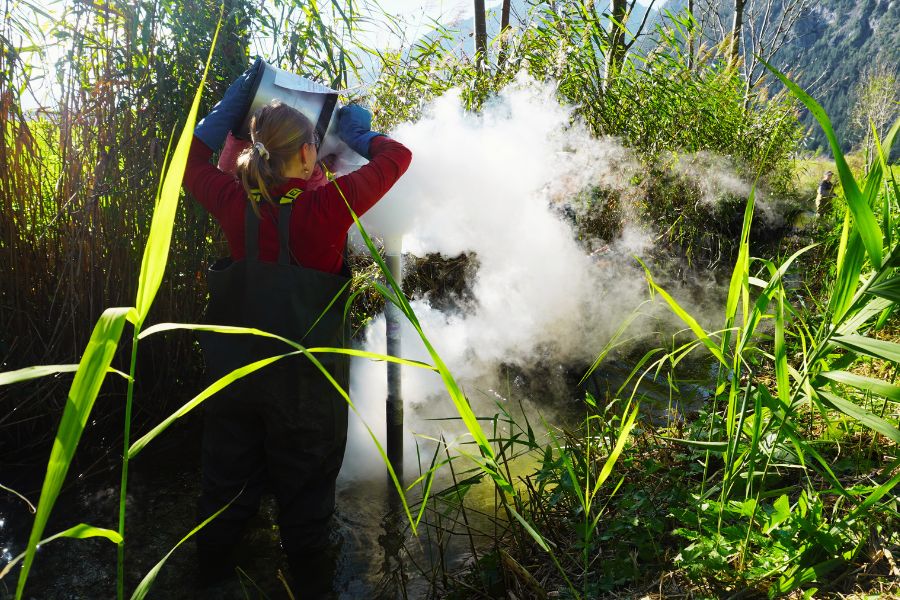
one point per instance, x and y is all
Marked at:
(89, 377)
(531, 530)
(79, 532)
(309, 353)
(460, 402)
(456, 394)
(235, 330)
(756, 433)
(27, 373)
(690, 321)
(584, 498)
(738, 288)
(850, 266)
(884, 316)
(545, 547)
(616, 451)
(194, 402)
(888, 172)
(874, 497)
(156, 252)
(758, 313)
(889, 140)
(637, 367)
(868, 384)
(391, 472)
(800, 441)
(372, 356)
(889, 176)
(888, 289)
(869, 346)
(864, 417)
(870, 310)
(712, 446)
(143, 587)
(873, 184)
(846, 227)
(325, 310)
(866, 223)
(886, 217)
(781, 364)
(611, 344)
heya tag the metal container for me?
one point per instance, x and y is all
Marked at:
(316, 101)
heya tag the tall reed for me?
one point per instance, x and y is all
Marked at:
(762, 422)
(98, 357)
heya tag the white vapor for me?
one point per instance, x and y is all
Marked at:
(486, 184)
(491, 185)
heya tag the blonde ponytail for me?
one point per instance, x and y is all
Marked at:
(277, 132)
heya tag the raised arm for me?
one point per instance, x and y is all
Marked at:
(210, 186)
(388, 160)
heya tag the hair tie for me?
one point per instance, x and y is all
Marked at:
(261, 149)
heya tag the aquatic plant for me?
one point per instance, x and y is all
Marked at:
(782, 480)
(775, 394)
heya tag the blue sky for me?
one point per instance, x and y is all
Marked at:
(418, 14)
(451, 8)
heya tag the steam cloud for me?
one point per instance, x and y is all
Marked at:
(717, 177)
(489, 184)
(486, 184)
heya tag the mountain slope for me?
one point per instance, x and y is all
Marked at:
(833, 45)
(830, 47)
(827, 52)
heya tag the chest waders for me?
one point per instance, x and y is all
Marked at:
(300, 304)
(284, 427)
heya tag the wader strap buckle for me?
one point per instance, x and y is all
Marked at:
(291, 195)
(251, 227)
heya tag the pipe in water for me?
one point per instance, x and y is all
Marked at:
(394, 402)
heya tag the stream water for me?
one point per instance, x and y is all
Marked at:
(163, 489)
(379, 556)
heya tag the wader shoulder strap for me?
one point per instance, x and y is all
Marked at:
(251, 228)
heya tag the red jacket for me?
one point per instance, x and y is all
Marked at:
(319, 219)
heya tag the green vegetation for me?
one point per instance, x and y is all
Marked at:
(829, 50)
(782, 482)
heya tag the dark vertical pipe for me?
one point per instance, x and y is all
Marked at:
(394, 404)
(392, 540)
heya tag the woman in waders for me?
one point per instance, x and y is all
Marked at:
(284, 427)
